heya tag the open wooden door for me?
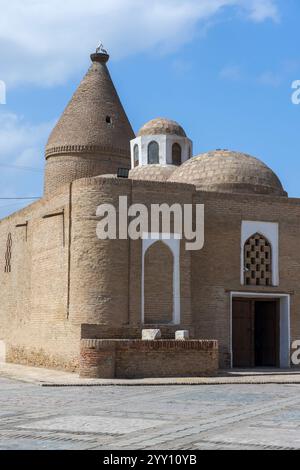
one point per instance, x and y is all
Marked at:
(255, 333)
(243, 333)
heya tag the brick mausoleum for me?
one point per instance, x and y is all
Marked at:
(70, 300)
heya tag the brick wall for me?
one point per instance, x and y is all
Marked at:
(90, 331)
(62, 276)
(63, 169)
(106, 275)
(216, 268)
(34, 295)
(156, 193)
(136, 358)
(158, 284)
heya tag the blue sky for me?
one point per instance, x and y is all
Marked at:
(222, 68)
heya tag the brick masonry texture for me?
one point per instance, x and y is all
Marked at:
(63, 169)
(34, 312)
(63, 277)
(160, 358)
(93, 134)
(228, 171)
(158, 284)
(152, 172)
(216, 269)
(60, 284)
(162, 126)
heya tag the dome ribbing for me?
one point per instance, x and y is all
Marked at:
(228, 171)
(162, 126)
(94, 127)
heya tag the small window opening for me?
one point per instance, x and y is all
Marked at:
(259, 257)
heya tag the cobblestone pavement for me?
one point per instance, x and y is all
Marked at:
(151, 417)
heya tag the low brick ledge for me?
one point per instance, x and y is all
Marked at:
(149, 345)
(137, 358)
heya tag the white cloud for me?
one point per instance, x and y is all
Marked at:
(231, 72)
(262, 10)
(21, 160)
(270, 79)
(20, 141)
(286, 71)
(45, 42)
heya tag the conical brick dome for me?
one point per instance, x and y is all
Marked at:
(93, 135)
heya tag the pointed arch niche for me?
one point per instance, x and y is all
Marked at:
(160, 279)
(257, 261)
(269, 232)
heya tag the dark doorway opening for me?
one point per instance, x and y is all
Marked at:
(255, 333)
(266, 330)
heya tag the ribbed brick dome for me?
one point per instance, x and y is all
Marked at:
(228, 171)
(93, 135)
(94, 120)
(162, 126)
(152, 172)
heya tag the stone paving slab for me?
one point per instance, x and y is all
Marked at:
(56, 378)
(150, 417)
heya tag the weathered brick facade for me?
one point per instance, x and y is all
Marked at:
(63, 288)
(137, 359)
(158, 284)
(63, 277)
(93, 134)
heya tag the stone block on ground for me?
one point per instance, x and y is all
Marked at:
(182, 335)
(150, 335)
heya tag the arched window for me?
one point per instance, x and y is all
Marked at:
(136, 155)
(176, 154)
(153, 153)
(258, 261)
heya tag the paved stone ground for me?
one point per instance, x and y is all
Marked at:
(149, 417)
(50, 377)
